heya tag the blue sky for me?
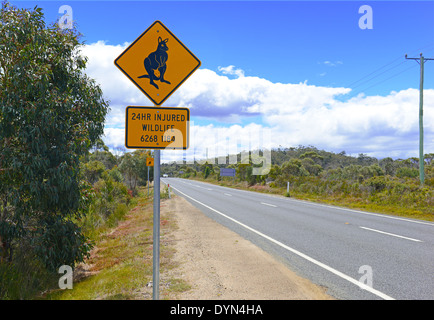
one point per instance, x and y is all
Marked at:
(313, 48)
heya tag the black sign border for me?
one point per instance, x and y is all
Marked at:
(153, 147)
(179, 84)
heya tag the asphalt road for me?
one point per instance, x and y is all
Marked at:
(355, 254)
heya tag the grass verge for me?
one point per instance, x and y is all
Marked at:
(120, 265)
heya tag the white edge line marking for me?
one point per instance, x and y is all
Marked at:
(391, 234)
(341, 208)
(363, 212)
(228, 194)
(268, 204)
(318, 263)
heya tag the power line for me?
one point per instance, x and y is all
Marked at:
(362, 79)
(378, 83)
(387, 64)
(379, 74)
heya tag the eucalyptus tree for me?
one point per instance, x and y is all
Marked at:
(51, 113)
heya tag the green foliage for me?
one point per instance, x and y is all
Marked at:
(361, 180)
(60, 242)
(290, 170)
(241, 171)
(92, 171)
(55, 196)
(388, 166)
(311, 167)
(251, 179)
(206, 172)
(118, 214)
(406, 172)
(133, 167)
(51, 112)
(109, 194)
(115, 174)
(105, 156)
(25, 277)
(388, 182)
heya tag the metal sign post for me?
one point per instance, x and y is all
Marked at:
(156, 232)
(146, 63)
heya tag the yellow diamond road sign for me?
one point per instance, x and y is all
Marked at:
(149, 162)
(157, 128)
(157, 62)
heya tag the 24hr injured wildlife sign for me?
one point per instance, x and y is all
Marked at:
(157, 63)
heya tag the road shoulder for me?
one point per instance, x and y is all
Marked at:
(220, 264)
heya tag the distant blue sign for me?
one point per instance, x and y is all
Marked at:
(227, 172)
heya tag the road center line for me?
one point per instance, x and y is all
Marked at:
(228, 194)
(390, 234)
(312, 260)
(267, 204)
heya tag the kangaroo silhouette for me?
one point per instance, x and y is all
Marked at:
(157, 61)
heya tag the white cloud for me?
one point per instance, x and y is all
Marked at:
(114, 137)
(297, 114)
(216, 96)
(231, 70)
(116, 87)
(332, 64)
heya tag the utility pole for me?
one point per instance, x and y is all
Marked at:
(421, 60)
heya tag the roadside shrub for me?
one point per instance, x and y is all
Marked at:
(406, 172)
(92, 171)
(120, 211)
(25, 277)
(207, 172)
(376, 184)
(108, 194)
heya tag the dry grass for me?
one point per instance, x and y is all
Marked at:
(120, 265)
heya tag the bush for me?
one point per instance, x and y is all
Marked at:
(51, 243)
(406, 172)
(120, 211)
(25, 277)
(109, 204)
(376, 183)
(207, 172)
(92, 171)
(108, 194)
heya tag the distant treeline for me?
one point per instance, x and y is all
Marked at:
(367, 181)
